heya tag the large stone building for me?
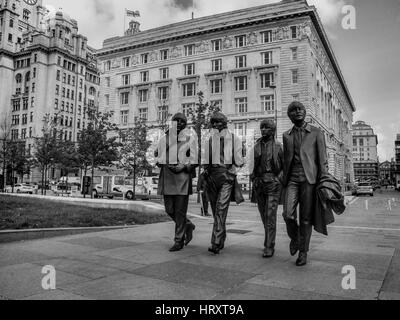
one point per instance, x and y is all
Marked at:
(387, 172)
(252, 63)
(46, 68)
(397, 153)
(365, 152)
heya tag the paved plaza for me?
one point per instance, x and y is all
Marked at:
(135, 263)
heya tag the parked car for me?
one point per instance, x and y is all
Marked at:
(364, 188)
(21, 188)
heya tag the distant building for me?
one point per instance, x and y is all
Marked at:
(397, 153)
(252, 63)
(387, 172)
(365, 152)
(46, 68)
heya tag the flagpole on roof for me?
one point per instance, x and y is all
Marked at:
(192, 9)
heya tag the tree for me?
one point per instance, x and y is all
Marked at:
(68, 159)
(94, 147)
(17, 159)
(46, 147)
(133, 150)
(200, 117)
(5, 138)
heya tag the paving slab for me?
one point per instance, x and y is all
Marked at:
(194, 274)
(11, 256)
(126, 286)
(56, 295)
(24, 280)
(100, 243)
(261, 292)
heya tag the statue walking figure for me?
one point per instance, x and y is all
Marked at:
(220, 177)
(305, 162)
(268, 158)
(175, 182)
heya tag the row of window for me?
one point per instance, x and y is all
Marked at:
(240, 41)
(15, 120)
(216, 87)
(24, 134)
(241, 107)
(190, 68)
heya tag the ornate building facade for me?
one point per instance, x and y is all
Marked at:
(365, 152)
(46, 68)
(252, 63)
(397, 154)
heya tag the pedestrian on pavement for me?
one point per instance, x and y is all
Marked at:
(220, 176)
(175, 182)
(268, 158)
(305, 161)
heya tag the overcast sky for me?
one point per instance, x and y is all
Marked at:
(368, 56)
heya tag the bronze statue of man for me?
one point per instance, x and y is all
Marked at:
(305, 161)
(220, 175)
(175, 182)
(268, 158)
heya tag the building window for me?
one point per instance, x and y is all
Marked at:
(189, 89)
(143, 95)
(216, 45)
(189, 69)
(266, 36)
(107, 98)
(163, 93)
(124, 98)
(217, 104)
(143, 113)
(31, 117)
(294, 53)
(34, 73)
(144, 76)
(107, 65)
(295, 76)
(14, 134)
(266, 57)
(11, 23)
(216, 86)
(10, 37)
(108, 82)
(164, 73)
(241, 129)
(126, 62)
(186, 109)
(293, 32)
(124, 117)
(267, 103)
(216, 65)
(162, 113)
(241, 105)
(25, 104)
(144, 58)
(25, 15)
(33, 87)
(164, 54)
(296, 97)
(240, 41)
(241, 83)
(30, 136)
(56, 104)
(241, 62)
(267, 80)
(189, 50)
(126, 79)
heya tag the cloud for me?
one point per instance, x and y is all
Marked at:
(181, 4)
(329, 10)
(104, 9)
